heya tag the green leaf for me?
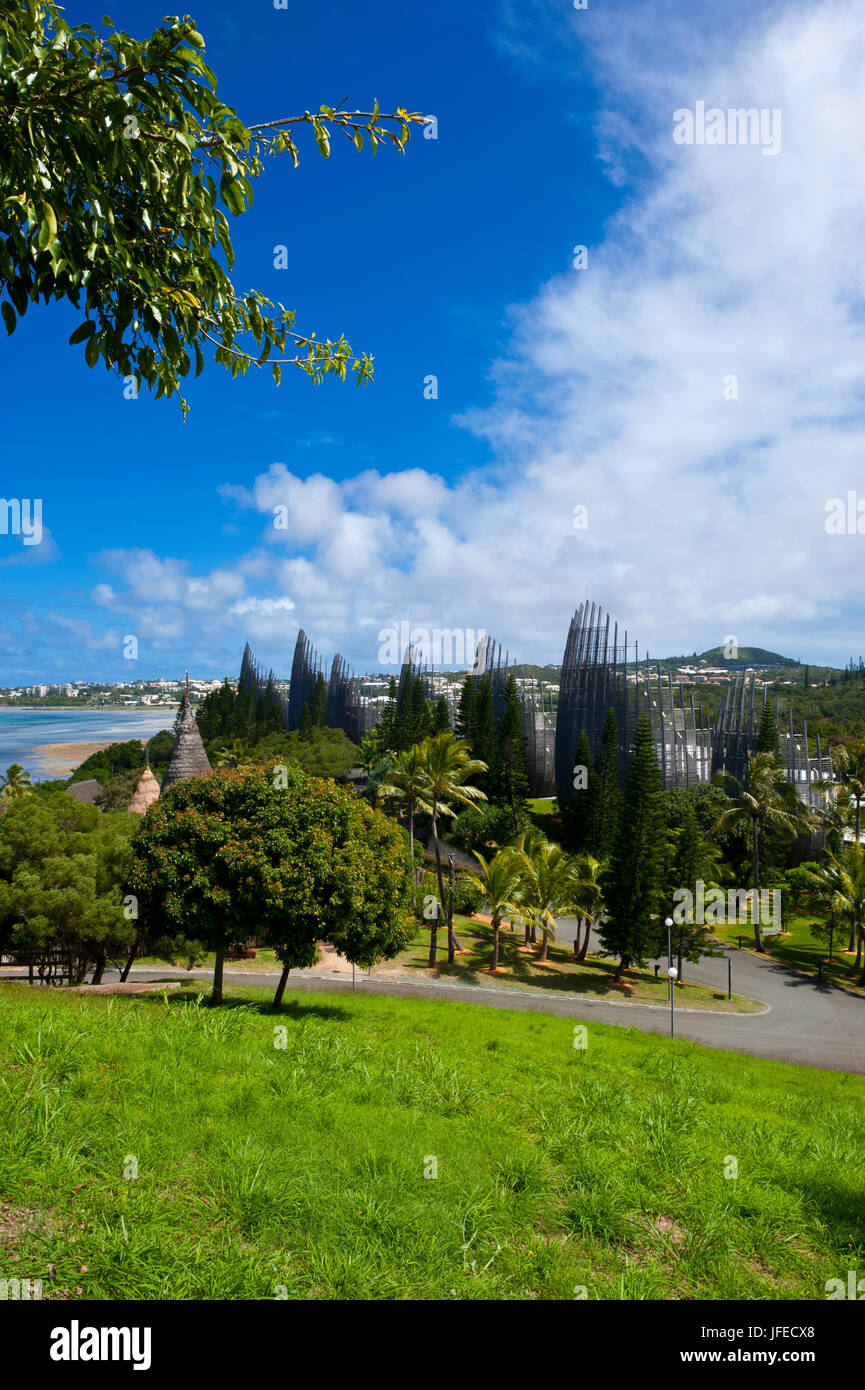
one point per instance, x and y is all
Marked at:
(84, 330)
(277, 373)
(8, 317)
(358, 137)
(322, 138)
(231, 193)
(91, 352)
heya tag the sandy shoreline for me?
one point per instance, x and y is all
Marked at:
(61, 759)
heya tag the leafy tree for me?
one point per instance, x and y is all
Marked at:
(479, 826)
(766, 799)
(547, 884)
(693, 859)
(306, 723)
(839, 884)
(447, 764)
(293, 858)
(405, 783)
(498, 880)
(587, 901)
(63, 867)
(632, 882)
(116, 154)
(15, 783)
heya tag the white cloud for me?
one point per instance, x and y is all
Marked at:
(706, 514)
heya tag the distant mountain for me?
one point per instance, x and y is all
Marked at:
(746, 656)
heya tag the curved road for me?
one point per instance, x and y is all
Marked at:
(806, 1022)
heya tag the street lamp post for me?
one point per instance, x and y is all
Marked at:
(672, 975)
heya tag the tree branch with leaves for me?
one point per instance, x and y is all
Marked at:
(116, 159)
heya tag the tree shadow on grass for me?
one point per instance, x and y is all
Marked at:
(297, 1009)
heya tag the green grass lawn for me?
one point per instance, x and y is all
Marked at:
(560, 974)
(302, 1169)
(800, 950)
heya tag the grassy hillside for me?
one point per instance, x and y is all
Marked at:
(299, 1172)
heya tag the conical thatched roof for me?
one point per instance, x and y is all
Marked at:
(188, 758)
(145, 794)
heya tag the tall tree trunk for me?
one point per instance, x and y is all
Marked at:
(622, 965)
(496, 924)
(433, 940)
(755, 911)
(454, 943)
(585, 946)
(528, 933)
(100, 969)
(280, 988)
(216, 993)
(411, 850)
(124, 974)
(542, 954)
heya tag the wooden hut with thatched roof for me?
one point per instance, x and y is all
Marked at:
(145, 793)
(188, 758)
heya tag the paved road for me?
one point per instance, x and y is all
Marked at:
(805, 1022)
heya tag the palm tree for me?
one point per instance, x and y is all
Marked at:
(526, 845)
(848, 774)
(405, 782)
(840, 884)
(587, 902)
(498, 880)
(237, 755)
(447, 764)
(15, 783)
(848, 767)
(547, 885)
(766, 798)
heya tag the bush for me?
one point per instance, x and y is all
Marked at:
(478, 827)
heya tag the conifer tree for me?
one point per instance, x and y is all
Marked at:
(509, 767)
(441, 716)
(420, 713)
(603, 793)
(767, 738)
(575, 808)
(319, 703)
(632, 883)
(388, 718)
(305, 729)
(465, 720)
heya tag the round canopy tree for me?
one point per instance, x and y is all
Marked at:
(278, 854)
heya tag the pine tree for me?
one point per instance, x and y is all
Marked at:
(388, 718)
(306, 725)
(509, 767)
(441, 716)
(465, 720)
(603, 794)
(420, 713)
(575, 807)
(632, 883)
(319, 702)
(484, 745)
(767, 738)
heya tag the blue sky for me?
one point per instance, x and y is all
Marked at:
(558, 387)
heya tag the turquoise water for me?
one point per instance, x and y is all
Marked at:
(22, 729)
